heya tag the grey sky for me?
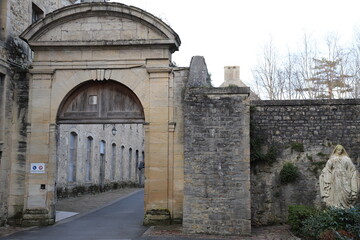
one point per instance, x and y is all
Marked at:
(232, 32)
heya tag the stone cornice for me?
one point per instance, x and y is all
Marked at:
(78, 11)
(69, 44)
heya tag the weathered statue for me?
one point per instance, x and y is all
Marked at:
(339, 180)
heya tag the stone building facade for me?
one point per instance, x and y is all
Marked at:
(122, 59)
(15, 57)
(93, 156)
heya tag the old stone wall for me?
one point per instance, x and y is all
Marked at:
(217, 157)
(217, 167)
(15, 57)
(121, 154)
(303, 133)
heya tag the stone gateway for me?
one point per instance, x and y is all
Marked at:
(90, 94)
(102, 63)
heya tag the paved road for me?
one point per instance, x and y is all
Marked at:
(121, 220)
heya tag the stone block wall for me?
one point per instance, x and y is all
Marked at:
(217, 164)
(303, 132)
(15, 17)
(122, 154)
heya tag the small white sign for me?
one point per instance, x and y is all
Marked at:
(37, 168)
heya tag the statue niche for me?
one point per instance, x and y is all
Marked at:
(339, 180)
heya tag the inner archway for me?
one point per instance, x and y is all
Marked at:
(100, 134)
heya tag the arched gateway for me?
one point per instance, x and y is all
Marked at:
(107, 42)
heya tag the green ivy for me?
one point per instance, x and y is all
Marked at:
(289, 173)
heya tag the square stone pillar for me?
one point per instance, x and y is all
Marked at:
(217, 161)
(41, 152)
(158, 154)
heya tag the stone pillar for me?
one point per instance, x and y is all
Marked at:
(158, 146)
(40, 184)
(217, 161)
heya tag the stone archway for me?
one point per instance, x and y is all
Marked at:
(96, 122)
(103, 41)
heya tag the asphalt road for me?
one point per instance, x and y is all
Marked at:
(121, 220)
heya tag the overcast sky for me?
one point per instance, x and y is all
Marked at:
(232, 32)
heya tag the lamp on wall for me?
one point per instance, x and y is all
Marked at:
(113, 130)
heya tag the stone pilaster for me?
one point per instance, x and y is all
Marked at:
(40, 186)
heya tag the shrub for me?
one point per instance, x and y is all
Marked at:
(333, 223)
(297, 147)
(289, 173)
(297, 214)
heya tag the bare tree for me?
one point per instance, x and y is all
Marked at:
(307, 74)
(354, 65)
(306, 56)
(265, 72)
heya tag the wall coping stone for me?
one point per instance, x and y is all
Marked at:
(310, 102)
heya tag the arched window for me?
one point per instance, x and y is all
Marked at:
(130, 160)
(137, 159)
(137, 164)
(121, 165)
(102, 162)
(113, 161)
(89, 157)
(72, 157)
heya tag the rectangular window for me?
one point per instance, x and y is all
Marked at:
(3, 18)
(37, 13)
(92, 100)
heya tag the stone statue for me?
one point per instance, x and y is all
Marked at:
(339, 180)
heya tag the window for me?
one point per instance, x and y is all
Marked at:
(130, 160)
(37, 13)
(92, 100)
(102, 162)
(3, 18)
(137, 164)
(88, 160)
(137, 158)
(72, 157)
(121, 168)
(113, 161)
(2, 106)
